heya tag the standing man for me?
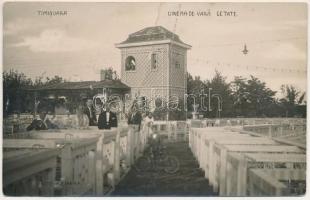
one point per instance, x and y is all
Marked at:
(107, 119)
(90, 112)
(135, 116)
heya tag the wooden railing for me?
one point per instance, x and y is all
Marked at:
(90, 162)
(227, 156)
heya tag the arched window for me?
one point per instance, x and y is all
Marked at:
(130, 64)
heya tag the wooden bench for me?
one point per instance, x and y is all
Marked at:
(214, 159)
(29, 172)
(201, 144)
(104, 153)
(276, 182)
(221, 152)
(76, 161)
(110, 145)
(239, 164)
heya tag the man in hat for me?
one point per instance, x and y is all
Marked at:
(135, 116)
(90, 112)
(107, 119)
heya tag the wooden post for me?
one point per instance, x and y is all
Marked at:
(129, 147)
(33, 186)
(35, 106)
(223, 159)
(67, 163)
(242, 176)
(251, 186)
(281, 130)
(99, 172)
(211, 163)
(169, 131)
(77, 169)
(116, 169)
(204, 156)
(131, 135)
(50, 181)
(206, 161)
(139, 143)
(91, 173)
(228, 182)
(269, 130)
(198, 149)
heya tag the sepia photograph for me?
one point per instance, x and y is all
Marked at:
(154, 99)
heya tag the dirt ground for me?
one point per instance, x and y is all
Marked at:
(188, 181)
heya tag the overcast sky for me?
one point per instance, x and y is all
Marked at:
(76, 46)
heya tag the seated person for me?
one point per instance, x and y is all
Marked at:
(41, 123)
(83, 121)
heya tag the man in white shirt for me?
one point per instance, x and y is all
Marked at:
(107, 119)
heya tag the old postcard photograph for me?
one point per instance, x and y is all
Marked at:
(154, 99)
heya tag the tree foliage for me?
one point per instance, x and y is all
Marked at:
(246, 97)
(16, 98)
(251, 97)
(220, 88)
(292, 99)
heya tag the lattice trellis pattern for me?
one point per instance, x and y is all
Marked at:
(108, 152)
(144, 76)
(177, 92)
(123, 144)
(177, 76)
(165, 81)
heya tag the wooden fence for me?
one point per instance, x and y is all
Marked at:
(226, 158)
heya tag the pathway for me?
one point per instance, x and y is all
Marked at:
(188, 181)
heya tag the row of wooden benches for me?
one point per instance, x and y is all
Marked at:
(69, 162)
(239, 164)
(247, 121)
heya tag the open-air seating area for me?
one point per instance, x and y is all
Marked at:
(76, 161)
(237, 163)
(237, 159)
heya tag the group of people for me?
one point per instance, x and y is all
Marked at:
(86, 116)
